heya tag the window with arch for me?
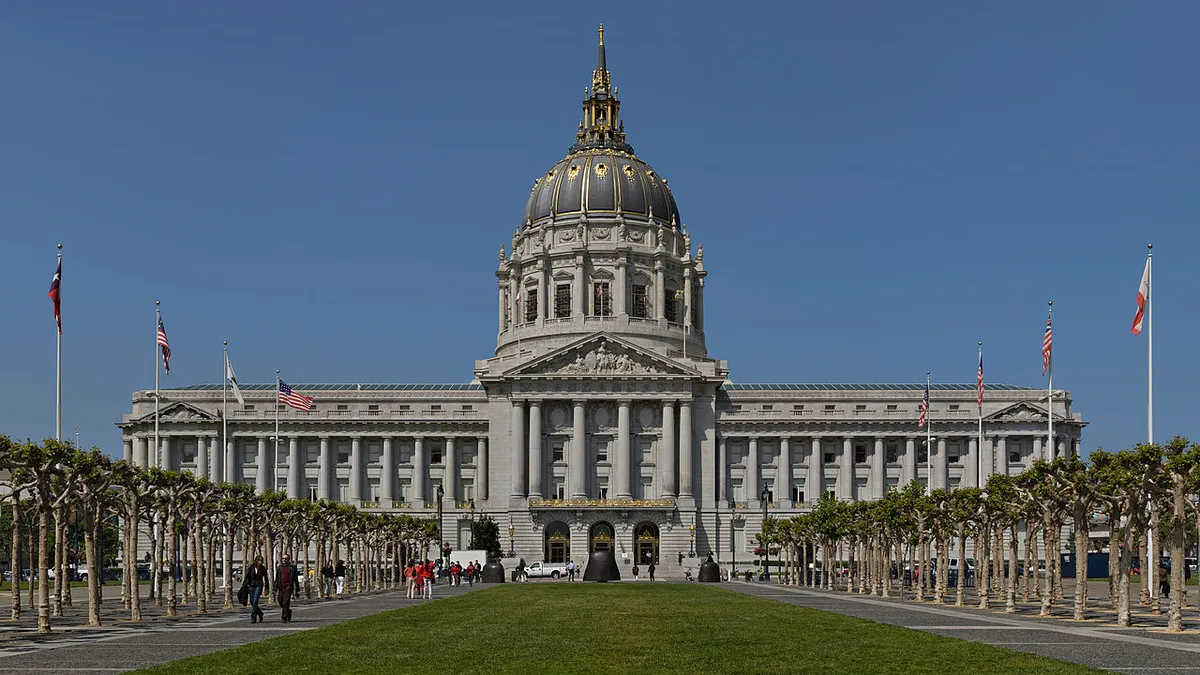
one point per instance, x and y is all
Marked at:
(602, 293)
(562, 301)
(639, 302)
(531, 304)
(674, 299)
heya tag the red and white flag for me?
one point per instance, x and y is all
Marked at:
(1047, 344)
(1142, 296)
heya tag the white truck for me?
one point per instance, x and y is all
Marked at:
(544, 569)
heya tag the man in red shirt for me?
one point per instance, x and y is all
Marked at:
(287, 583)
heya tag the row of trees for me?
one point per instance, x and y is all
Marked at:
(889, 544)
(193, 527)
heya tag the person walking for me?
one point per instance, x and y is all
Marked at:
(650, 569)
(339, 573)
(427, 580)
(635, 572)
(327, 576)
(410, 578)
(570, 570)
(255, 581)
(287, 584)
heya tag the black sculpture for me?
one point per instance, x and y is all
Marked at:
(493, 573)
(710, 572)
(602, 566)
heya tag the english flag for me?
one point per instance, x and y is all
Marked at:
(1142, 296)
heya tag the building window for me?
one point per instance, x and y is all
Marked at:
(531, 308)
(372, 407)
(695, 312)
(248, 406)
(562, 300)
(768, 407)
(375, 492)
(556, 451)
(343, 456)
(468, 490)
(343, 492)
(739, 491)
(435, 407)
(893, 453)
(602, 451)
(603, 296)
(829, 458)
(797, 495)
(435, 455)
(1014, 457)
(860, 406)
(603, 492)
(468, 407)
(560, 491)
(312, 493)
(672, 308)
(952, 457)
(405, 488)
(954, 406)
(830, 408)
(402, 407)
(641, 307)
(798, 407)
(923, 455)
(860, 454)
(891, 406)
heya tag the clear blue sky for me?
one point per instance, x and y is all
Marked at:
(877, 186)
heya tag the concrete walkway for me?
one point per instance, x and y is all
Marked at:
(119, 647)
(1138, 651)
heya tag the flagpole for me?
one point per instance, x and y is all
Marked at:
(157, 320)
(928, 441)
(58, 365)
(1050, 391)
(979, 448)
(275, 468)
(224, 409)
(1151, 569)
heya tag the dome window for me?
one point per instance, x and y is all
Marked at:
(531, 305)
(603, 299)
(572, 172)
(640, 305)
(562, 301)
(601, 170)
(629, 172)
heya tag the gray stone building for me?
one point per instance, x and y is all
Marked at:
(601, 420)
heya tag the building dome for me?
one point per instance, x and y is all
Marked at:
(603, 181)
(601, 175)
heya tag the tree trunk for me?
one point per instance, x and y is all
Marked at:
(1144, 578)
(60, 528)
(135, 595)
(95, 569)
(43, 568)
(1010, 589)
(983, 564)
(172, 563)
(1178, 518)
(1081, 558)
(1123, 618)
(1048, 579)
(15, 558)
(1030, 564)
(200, 565)
(960, 594)
(227, 561)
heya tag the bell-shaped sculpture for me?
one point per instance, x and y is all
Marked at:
(710, 572)
(602, 566)
(493, 573)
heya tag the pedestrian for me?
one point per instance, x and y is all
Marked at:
(327, 575)
(339, 573)
(681, 558)
(1164, 583)
(478, 570)
(651, 570)
(470, 574)
(287, 582)
(255, 579)
(427, 580)
(635, 572)
(570, 570)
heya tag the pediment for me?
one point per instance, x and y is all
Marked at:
(602, 354)
(178, 411)
(1020, 412)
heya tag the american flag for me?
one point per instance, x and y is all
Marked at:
(55, 296)
(924, 408)
(292, 399)
(166, 348)
(979, 379)
(1047, 342)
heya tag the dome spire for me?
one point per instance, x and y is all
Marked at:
(601, 126)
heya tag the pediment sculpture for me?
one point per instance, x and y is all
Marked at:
(602, 360)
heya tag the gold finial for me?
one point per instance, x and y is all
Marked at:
(601, 33)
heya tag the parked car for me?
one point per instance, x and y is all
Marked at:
(544, 569)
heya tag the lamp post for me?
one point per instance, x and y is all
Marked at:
(765, 497)
(441, 530)
(512, 546)
(692, 543)
(733, 516)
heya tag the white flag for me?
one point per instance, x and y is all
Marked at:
(232, 377)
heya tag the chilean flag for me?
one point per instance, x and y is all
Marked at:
(1142, 296)
(54, 295)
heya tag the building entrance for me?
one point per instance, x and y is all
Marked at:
(645, 542)
(557, 543)
(600, 537)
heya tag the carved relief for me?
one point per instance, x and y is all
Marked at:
(566, 235)
(636, 235)
(601, 232)
(605, 360)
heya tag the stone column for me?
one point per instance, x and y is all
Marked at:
(233, 467)
(1002, 455)
(908, 467)
(356, 471)
(450, 472)
(514, 294)
(294, 475)
(686, 451)
(325, 471)
(537, 464)
(577, 469)
(503, 307)
(783, 472)
(814, 484)
(543, 310)
(660, 291)
(387, 475)
(846, 472)
(520, 466)
(420, 475)
(264, 466)
(722, 472)
(201, 468)
(687, 297)
(1037, 448)
(579, 295)
(481, 469)
(971, 470)
(139, 452)
(986, 461)
(621, 306)
(164, 455)
(216, 460)
(943, 464)
(624, 461)
(753, 481)
(127, 449)
(878, 470)
(1061, 448)
(667, 453)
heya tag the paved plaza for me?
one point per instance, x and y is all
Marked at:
(1143, 650)
(120, 646)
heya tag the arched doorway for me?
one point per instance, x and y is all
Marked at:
(557, 543)
(645, 542)
(600, 537)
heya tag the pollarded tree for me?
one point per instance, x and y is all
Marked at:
(94, 477)
(1182, 470)
(43, 464)
(964, 509)
(1076, 482)
(1123, 482)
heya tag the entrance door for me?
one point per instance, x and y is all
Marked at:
(558, 543)
(645, 542)
(600, 537)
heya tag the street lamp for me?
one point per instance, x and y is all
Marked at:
(512, 546)
(692, 543)
(765, 497)
(733, 516)
(441, 529)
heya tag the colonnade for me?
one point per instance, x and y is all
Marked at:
(212, 463)
(529, 466)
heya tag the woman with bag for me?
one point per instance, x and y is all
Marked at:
(255, 583)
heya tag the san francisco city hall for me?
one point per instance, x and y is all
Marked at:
(601, 420)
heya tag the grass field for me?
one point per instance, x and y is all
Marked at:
(614, 628)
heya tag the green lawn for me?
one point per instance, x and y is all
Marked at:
(614, 628)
